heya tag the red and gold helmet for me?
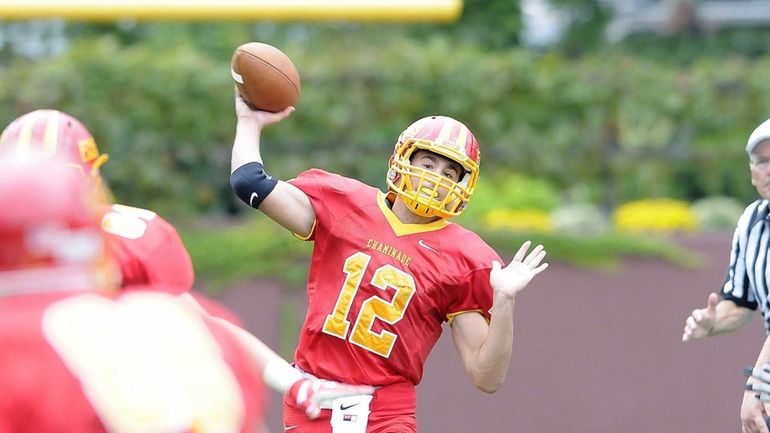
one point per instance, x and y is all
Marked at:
(51, 218)
(53, 133)
(446, 137)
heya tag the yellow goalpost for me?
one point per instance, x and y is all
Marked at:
(248, 10)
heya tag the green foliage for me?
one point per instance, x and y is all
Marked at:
(581, 219)
(158, 98)
(717, 213)
(689, 46)
(156, 110)
(495, 23)
(226, 253)
(512, 192)
(602, 252)
(585, 31)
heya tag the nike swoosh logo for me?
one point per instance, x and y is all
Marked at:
(290, 427)
(343, 407)
(253, 196)
(426, 246)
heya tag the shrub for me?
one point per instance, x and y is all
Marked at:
(511, 192)
(717, 213)
(531, 220)
(657, 215)
(579, 219)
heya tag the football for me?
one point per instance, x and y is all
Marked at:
(265, 77)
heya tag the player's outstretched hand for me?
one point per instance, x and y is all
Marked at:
(310, 394)
(263, 118)
(510, 280)
(701, 320)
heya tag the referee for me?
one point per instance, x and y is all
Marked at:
(748, 277)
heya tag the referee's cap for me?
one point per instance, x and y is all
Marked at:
(761, 133)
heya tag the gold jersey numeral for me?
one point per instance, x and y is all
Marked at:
(372, 308)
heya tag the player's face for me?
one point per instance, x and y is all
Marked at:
(759, 162)
(438, 164)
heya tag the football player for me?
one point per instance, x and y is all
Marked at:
(388, 269)
(148, 250)
(77, 355)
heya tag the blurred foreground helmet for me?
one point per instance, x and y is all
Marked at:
(49, 220)
(53, 133)
(446, 137)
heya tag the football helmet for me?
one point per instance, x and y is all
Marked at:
(50, 217)
(418, 187)
(53, 133)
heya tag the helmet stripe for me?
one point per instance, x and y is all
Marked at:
(51, 137)
(444, 133)
(462, 137)
(25, 135)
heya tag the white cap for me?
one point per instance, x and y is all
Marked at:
(760, 134)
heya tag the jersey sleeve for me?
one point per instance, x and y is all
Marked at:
(736, 286)
(330, 194)
(471, 294)
(148, 249)
(470, 291)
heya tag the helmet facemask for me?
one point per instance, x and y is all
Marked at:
(418, 187)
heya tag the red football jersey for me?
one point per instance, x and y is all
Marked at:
(379, 290)
(86, 363)
(147, 248)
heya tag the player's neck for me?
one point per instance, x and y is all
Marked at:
(406, 216)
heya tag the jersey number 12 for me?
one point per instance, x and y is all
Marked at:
(372, 308)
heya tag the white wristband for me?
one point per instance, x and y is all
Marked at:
(279, 375)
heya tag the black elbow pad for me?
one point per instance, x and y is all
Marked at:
(251, 184)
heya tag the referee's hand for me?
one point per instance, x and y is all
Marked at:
(701, 320)
(754, 418)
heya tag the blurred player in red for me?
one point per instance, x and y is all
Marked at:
(75, 357)
(147, 247)
(388, 269)
(149, 252)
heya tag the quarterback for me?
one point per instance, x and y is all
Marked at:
(388, 269)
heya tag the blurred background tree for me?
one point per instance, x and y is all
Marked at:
(656, 113)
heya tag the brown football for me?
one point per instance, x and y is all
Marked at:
(265, 77)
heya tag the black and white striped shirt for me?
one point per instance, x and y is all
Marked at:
(748, 277)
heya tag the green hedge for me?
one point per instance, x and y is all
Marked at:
(259, 248)
(610, 125)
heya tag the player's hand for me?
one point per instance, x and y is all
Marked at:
(701, 320)
(262, 118)
(309, 394)
(510, 280)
